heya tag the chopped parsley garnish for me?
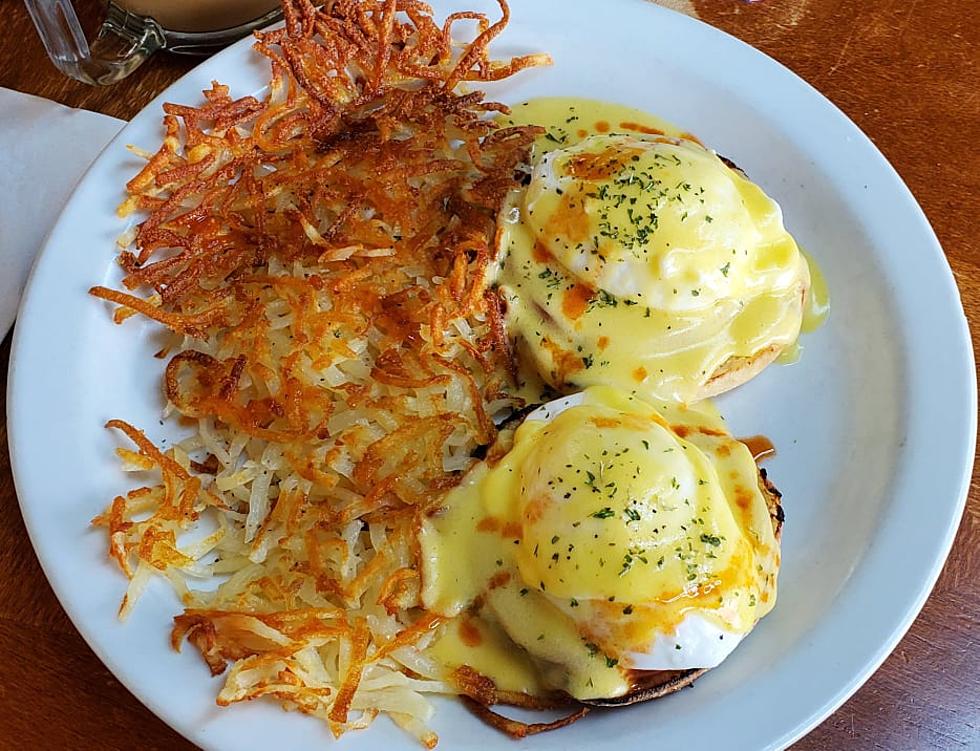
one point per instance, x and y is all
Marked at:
(551, 279)
(559, 136)
(603, 299)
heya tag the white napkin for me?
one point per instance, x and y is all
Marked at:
(44, 149)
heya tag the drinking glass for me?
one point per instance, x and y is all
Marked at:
(132, 30)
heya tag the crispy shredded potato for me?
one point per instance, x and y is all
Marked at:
(320, 255)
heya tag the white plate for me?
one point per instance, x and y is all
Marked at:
(875, 426)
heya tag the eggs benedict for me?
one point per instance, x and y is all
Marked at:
(636, 257)
(605, 548)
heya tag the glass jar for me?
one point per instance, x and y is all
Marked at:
(132, 30)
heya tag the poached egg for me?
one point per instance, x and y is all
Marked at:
(635, 257)
(604, 537)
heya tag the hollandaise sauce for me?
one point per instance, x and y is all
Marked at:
(817, 308)
(609, 535)
(636, 257)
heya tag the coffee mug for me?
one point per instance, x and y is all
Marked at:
(135, 29)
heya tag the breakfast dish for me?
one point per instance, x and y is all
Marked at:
(637, 257)
(608, 539)
(360, 275)
(314, 365)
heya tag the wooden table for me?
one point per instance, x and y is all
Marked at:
(907, 73)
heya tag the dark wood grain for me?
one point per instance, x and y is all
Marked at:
(906, 71)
